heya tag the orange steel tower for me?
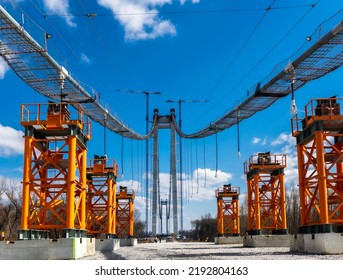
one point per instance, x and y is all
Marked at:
(102, 174)
(319, 137)
(266, 194)
(54, 179)
(125, 199)
(228, 211)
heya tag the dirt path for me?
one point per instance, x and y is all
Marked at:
(204, 251)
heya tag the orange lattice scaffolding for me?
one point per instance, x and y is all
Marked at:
(102, 174)
(125, 207)
(319, 138)
(54, 179)
(228, 223)
(266, 194)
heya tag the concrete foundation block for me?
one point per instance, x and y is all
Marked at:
(107, 244)
(266, 240)
(228, 240)
(47, 249)
(128, 242)
(317, 243)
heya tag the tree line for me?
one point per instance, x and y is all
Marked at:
(202, 229)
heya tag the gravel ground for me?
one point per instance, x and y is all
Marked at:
(204, 251)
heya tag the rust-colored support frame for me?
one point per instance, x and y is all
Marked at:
(320, 166)
(102, 174)
(54, 177)
(125, 212)
(266, 194)
(228, 223)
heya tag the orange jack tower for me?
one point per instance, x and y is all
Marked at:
(54, 179)
(125, 207)
(228, 211)
(102, 174)
(319, 137)
(266, 194)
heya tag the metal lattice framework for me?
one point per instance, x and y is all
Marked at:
(266, 193)
(228, 211)
(41, 72)
(125, 208)
(54, 179)
(320, 152)
(101, 196)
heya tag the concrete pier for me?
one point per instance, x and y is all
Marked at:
(107, 244)
(128, 242)
(266, 241)
(47, 249)
(228, 240)
(317, 243)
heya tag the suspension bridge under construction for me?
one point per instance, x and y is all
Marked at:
(64, 190)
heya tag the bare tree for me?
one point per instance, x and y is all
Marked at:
(10, 208)
(13, 194)
(243, 213)
(293, 208)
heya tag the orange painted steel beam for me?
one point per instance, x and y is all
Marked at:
(54, 177)
(228, 211)
(125, 212)
(101, 196)
(266, 193)
(319, 137)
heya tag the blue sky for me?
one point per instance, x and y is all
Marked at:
(192, 50)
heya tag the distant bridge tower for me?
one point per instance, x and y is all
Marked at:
(102, 174)
(125, 211)
(54, 179)
(266, 194)
(164, 122)
(319, 137)
(228, 211)
(166, 204)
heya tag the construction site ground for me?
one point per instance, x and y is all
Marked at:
(204, 251)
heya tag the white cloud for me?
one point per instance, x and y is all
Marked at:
(3, 68)
(11, 141)
(199, 186)
(140, 19)
(286, 143)
(256, 140)
(284, 138)
(182, 2)
(85, 59)
(60, 7)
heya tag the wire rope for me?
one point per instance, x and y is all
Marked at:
(216, 136)
(234, 59)
(263, 58)
(205, 171)
(92, 15)
(197, 164)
